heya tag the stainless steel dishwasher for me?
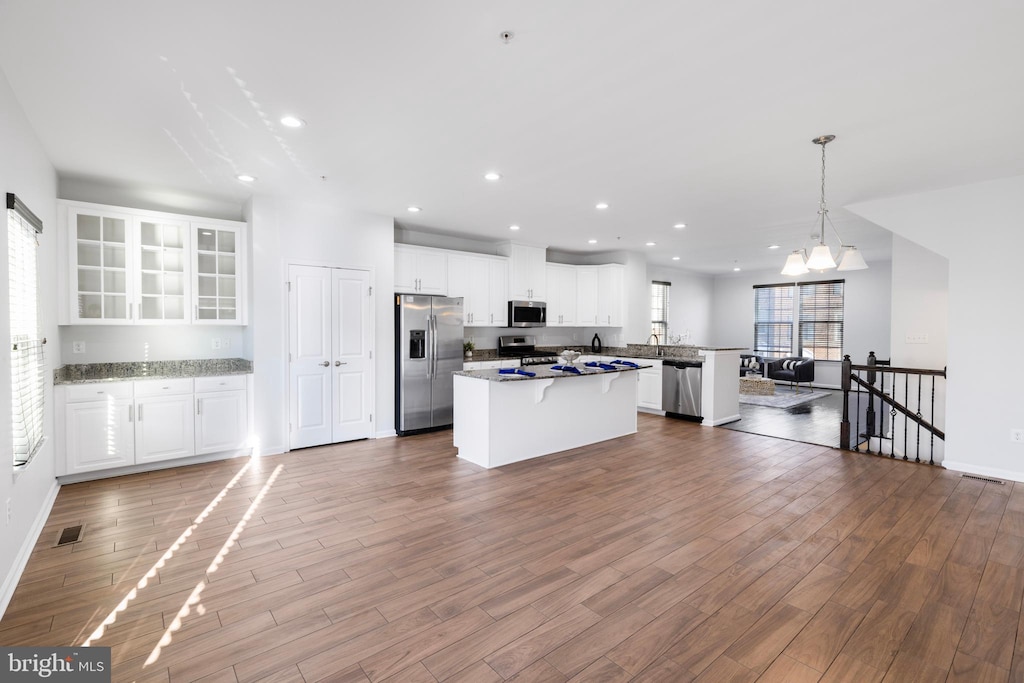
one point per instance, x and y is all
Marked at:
(680, 388)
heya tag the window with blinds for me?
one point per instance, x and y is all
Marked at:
(821, 320)
(659, 309)
(27, 360)
(773, 320)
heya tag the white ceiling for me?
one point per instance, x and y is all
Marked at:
(670, 111)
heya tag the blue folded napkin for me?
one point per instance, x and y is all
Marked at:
(516, 371)
(567, 368)
(626, 363)
(603, 366)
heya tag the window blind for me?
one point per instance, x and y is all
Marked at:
(821, 319)
(659, 309)
(27, 358)
(773, 320)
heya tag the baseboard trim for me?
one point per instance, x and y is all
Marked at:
(385, 434)
(993, 472)
(12, 579)
(720, 421)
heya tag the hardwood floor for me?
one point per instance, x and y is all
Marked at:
(814, 422)
(681, 553)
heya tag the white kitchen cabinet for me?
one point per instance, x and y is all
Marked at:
(419, 270)
(561, 286)
(610, 295)
(98, 426)
(102, 266)
(482, 282)
(221, 420)
(219, 282)
(649, 390)
(125, 266)
(587, 296)
(107, 425)
(164, 428)
(528, 273)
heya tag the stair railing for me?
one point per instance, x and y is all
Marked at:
(883, 395)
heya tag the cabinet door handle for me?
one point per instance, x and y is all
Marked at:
(492, 317)
(338, 363)
(130, 316)
(131, 413)
(140, 412)
(326, 364)
(199, 404)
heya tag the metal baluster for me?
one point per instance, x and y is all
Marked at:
(857, 447)
(919, 415)
(931, 454)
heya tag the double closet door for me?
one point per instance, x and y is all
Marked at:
(330, 355)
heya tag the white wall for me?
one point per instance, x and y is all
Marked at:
(285, 232)
(980, 229)
(152, 199)
(26, 171)
(867, 300)
(124, 343)
(689, 302)
(920, 305)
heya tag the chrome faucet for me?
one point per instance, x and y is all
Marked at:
(657, 344)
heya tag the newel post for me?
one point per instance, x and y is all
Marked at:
(844, 426)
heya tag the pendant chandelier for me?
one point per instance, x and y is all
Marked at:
(821, 257)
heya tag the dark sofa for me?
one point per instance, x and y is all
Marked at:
(751, 365)
(792, 369)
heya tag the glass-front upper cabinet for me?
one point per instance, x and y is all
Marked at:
(217, 274)
(100, 245)
(163, 288)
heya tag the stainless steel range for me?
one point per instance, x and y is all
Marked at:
(524, 347)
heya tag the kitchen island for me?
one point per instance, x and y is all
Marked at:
(502, 419)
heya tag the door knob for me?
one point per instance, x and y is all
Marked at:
(338, 363)
(326, 363)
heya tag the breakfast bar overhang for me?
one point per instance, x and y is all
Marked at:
(502, 419)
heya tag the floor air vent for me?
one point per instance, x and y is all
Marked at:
(69, 535)
(991, 481)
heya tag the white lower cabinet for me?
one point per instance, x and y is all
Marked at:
(107, 425)
(98, 427)
(221, 414)
(164, 428)
(649, 392)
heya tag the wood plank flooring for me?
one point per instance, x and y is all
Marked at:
(681, 553)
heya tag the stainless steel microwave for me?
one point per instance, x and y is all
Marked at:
(527, 314)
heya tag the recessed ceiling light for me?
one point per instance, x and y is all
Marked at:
(650, 244)
(492, 176)
(292, 121)
(773, 246)
(414, 209)
(679, 226)
(601, 206)
(591, 241)
(513, 227)
(736, 269)
(245, 178)
(675, 258)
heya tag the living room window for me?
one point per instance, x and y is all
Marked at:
(773, 320)
(816, 308)
(821, 320)
(27, 360)
(659, 309)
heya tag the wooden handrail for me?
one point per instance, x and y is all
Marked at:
(911, 416)
(906, 371)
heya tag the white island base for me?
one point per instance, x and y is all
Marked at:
(501, 422)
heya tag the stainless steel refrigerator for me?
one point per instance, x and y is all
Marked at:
(428, 349)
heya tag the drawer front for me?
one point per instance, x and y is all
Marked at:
(162, 387)
(98, 391)
(224, 383)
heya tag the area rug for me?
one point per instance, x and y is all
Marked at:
(782, 399)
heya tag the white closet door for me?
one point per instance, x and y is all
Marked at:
(352, 360)
(309, 321)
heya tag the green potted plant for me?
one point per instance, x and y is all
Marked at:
(467, 348)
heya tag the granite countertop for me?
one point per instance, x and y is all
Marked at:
(542, 372)
(158, 369)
